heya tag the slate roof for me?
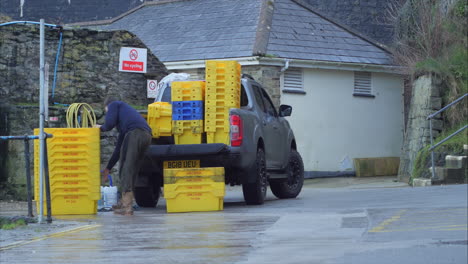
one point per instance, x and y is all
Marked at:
(370, 17)
(299, 33)
(195, 29)
(186, 30)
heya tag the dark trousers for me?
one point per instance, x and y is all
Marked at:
(133, 150)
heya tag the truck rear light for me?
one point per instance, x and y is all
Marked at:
(237, 132)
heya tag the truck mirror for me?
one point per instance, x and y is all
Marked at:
(285, 110)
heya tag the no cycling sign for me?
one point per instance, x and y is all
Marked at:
(132, 60)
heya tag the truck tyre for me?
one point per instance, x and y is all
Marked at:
(292, 186)
(254, 193)
(147, 196)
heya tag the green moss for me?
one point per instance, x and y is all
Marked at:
(8, 224)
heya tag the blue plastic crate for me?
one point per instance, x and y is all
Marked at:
(188, 110)
(179, 117)
(183, 104)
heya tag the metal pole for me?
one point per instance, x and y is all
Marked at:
(28, 174)
(41, 122)
(47, 183)
(432, 152)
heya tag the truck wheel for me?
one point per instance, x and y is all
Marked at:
(147, 196)
(254, 193)
(292, 186)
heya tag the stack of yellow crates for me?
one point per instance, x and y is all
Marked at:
(194, 190)
(187, 111)
(223, 87)
(74, 164)
(160, 119)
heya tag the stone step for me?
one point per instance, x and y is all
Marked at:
(456, 162)
(449, 175)
(465, 149)
(421, 182)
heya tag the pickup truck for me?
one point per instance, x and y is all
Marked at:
(263, 151)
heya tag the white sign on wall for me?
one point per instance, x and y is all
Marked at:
(132, 60)
(152, 88)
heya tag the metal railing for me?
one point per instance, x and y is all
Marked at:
(430, 117)
(27, 155)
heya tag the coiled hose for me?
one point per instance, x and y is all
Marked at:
(80, 113)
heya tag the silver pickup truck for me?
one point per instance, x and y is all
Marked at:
(263, 151)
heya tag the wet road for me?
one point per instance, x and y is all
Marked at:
(349, 224)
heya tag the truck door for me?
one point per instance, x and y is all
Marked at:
(276, 133)
(269, 122)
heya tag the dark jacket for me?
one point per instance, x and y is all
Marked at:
(125, 118)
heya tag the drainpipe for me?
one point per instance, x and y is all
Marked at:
(286, 66)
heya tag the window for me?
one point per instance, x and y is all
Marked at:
(258, 97)
(363, 84)
(292, 81)
(244, 99)
(269, 108)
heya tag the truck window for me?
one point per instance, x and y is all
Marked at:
(244, 101)
(258, 97)
(270, 109)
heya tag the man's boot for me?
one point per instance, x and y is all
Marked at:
(127, 202)
(118, 205)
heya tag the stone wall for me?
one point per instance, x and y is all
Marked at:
(87, 72)
(425, 100)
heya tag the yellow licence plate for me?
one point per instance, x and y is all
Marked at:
(181, 164)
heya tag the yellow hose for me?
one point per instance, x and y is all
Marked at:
(80, 110)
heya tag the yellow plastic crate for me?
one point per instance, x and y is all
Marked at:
(195, 187)
(187, 138)
(160, 119)
(217, 109)
(223, 103)
(220, 89)
(64, 136)
(187, 131)
(218, 115)
(213, 125)
(190, 201)
(188, 91)
(218, 136)
(71, 190)
(70, 204)
(195, 175)
(228, 83)
(72, 149)
(223, 96)
(85, 186)
(222, 67)
(74, 157)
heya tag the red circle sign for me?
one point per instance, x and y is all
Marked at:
(152, 85)
(133, 54)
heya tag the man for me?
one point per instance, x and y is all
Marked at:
(134, 139)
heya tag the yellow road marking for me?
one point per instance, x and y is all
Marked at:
(385, 223)
(455, 229)
(58, 234)
(436, 228)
